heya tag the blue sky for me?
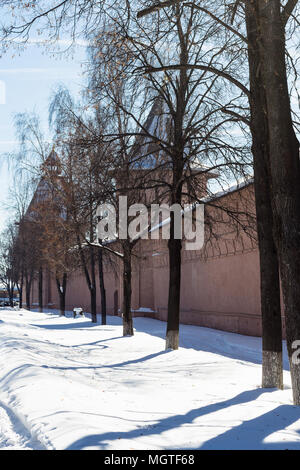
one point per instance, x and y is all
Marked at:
(28, 80)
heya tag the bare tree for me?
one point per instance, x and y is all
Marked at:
(54, 227)
(83, 172)
(284, 168)
(123, 100)
(187, 139)
(8, 262)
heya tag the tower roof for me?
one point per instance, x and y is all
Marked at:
(52, 163)
(147, 151)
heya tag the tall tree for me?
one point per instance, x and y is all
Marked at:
(272, 371)
(8, 265)
(284, 168)
(191, 107)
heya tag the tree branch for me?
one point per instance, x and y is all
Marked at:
(159, 6)
(288, 10)
(206, 68)
(156, 7)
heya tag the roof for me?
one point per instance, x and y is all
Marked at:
(230, 189)
(147, 151)
(52, 162)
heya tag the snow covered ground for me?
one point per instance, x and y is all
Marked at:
(70, 384)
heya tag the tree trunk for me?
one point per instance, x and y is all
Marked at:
(93, 290)
(178, 160)
(272, 372)
(28, 292)
(93, 303)
(40, 287)
(20, 296)
(172, 335)
(62, 294)
(127, 314)
(20, 290)
(10, 291)
(90, 280)
(62, 304)
(284, 173)
(102, 287)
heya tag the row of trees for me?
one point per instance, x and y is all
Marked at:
(214, 74)
(49, 232)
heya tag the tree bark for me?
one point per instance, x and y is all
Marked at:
(20, 290)
(28, 282)
(93, 291)
(10, 291)
(62, 288)
(90, 280)
(40, 288)
(102, 287)
(284, 172)
(272, 372)
(93, 304)
(127, 314)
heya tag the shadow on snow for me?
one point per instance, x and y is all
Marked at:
(248, 435)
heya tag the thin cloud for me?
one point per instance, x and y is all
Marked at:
(36, 70)
(8, 142)
(46, 42)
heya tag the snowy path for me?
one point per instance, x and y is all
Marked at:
(13, 435)
(71, 384)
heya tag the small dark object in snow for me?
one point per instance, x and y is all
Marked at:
(77, 311)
